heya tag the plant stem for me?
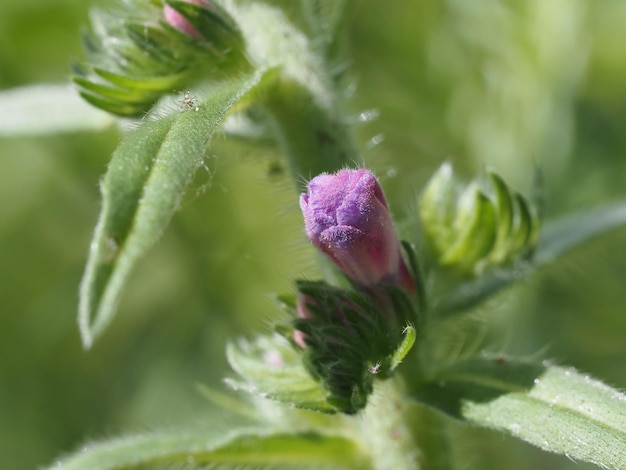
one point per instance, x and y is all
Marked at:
(312, 136)
(402, 435)
(387, 429)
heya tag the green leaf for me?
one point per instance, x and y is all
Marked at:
(557, 238)
(47, 109)
(144, 184)
(273, 369)
(555, 408)
(194, 449)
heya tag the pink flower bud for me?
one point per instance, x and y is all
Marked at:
(347, 218)
(178, 21)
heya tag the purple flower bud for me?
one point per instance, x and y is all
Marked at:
(347, 218)
(178, 21)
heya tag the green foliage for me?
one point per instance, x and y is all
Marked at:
(555, 408)
(146, 179)
(154, 164)
(497, 82)
(266, 450)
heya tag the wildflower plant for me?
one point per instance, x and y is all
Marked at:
(351, 376)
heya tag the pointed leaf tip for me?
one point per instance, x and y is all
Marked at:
(143, 186)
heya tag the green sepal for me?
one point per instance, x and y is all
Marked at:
(475, 224)
(115, 107)
(403, 348)
(353, 338)
(436, 208)
(504, 209)
(157, 43)
(486, 227)
(156, 84)
(212, 22)
(418, 277)
(124, 95)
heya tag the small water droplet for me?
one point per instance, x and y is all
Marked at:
(368, 115)
(536, 381)
(374, 141)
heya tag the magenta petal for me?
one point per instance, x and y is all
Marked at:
(347, 218)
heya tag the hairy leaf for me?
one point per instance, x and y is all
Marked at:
(555, 408)
(144, 184)
(273, 369)
(253, 447)
(47, 109)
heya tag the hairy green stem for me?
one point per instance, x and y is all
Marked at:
(313, 137)
(401, 435)
(387, 429)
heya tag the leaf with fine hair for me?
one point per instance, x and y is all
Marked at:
(557, 409)
(271, 368)
(47, 109)
(261, 448)
(557, 239)
(143, 186)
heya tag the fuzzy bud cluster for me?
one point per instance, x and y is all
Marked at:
(348, 337)
(154, 51)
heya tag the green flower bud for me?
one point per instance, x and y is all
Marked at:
(348, 341)
(477, 228)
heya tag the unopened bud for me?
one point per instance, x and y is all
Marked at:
(178, 21)
(347, 218)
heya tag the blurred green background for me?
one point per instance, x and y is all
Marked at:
(501, 83)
